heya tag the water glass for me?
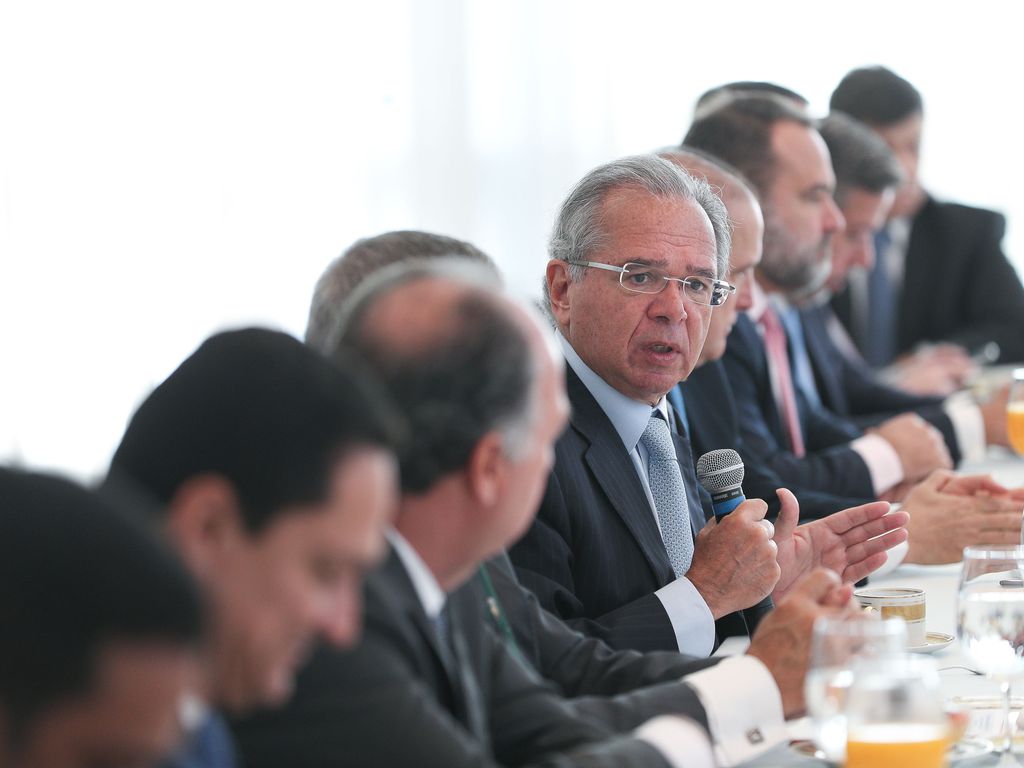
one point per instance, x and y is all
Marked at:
(991, 622)
(836, 646)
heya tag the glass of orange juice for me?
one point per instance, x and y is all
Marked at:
(894, 714)
(1015, 412)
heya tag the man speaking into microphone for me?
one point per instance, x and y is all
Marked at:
(621, 548)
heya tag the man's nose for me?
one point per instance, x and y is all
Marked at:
(834, 220)
(670, 302)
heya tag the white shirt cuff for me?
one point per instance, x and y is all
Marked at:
(690, 616)
(681, 742)
(968, 426)
(744, 708)
(883, 462)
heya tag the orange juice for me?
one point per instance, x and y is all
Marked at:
(897, 745)
(1015, 426)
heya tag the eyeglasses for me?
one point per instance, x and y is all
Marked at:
(643, 278)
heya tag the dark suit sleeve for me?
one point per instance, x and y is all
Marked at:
(761, 483)
(830, 465)
(543, 559)
(853, 390)
(369, 708)
(577, 664)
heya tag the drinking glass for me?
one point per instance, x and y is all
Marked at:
(1015, 412)
(991, 622)
(836, 645)
(894, 714)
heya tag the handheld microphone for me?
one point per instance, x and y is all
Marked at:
(721, 474)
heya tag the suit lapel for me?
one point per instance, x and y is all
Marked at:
(825, 373)
(613, 469)
(452, 663)
(687, 467)
(749, 337)
(919, 291)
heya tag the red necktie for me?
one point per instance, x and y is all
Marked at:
(782, 379)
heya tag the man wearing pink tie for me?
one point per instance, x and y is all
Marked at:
(783, 422)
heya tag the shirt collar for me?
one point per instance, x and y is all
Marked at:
(758, 301)
(899, 231)
(628, 416)
(429, 592)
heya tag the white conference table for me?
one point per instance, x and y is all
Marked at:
(940, 583)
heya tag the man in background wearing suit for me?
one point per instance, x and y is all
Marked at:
(940, 274)
(867, 176)
(271, 472)
(612, 550)
(101, 631)
(944, 511)
(783, 424)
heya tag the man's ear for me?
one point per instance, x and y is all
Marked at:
(557, 276)
(205, 521)
(485, 470)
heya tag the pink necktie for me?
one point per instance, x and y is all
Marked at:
(778, 360)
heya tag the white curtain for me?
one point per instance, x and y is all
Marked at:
(171, 169)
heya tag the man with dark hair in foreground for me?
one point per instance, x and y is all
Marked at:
(270, 470)
(100, 631)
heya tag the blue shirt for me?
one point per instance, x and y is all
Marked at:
(208, 746)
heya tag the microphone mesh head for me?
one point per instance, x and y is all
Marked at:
(720, 470)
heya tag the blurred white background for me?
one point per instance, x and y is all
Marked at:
(168, 170)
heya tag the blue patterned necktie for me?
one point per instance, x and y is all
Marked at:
(879, 344)
(669, 494)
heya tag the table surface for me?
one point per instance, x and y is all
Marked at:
(940, 583)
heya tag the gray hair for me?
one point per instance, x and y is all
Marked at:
(369, 255)
(860, 157)
(579, 230)
(471, 374)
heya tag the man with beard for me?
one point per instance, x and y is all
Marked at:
(945, 512)
(867, 177)
(783, 425)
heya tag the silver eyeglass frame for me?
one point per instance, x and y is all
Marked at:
(716, 287)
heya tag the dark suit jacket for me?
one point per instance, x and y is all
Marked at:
(398, 699)
(829, 466)
(711, 410)
(958, 285)
(853, 391)
(615, 682)
(594, 556)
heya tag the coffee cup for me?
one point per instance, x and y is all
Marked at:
(905, 603)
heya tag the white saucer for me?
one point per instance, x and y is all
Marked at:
(934, 641)
(965, 749)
